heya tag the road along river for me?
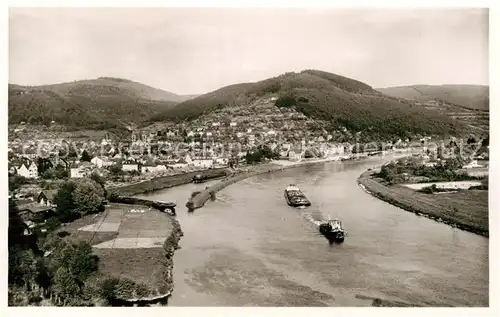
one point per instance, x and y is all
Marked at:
(249, 248)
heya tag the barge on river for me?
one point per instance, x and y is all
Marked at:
(333, 230)
(295, 197)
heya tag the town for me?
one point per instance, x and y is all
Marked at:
(227, 138)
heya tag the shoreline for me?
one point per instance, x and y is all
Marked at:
(199, 200)
(168, 248)
(410, 201)
(156, 297)
(163, 182)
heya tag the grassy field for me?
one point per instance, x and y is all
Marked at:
(131, 244)
(467, 210)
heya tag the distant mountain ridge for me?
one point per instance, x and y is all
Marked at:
(95, 103)
(345, 102)
(469, 96)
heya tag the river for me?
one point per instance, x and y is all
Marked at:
(249, 248)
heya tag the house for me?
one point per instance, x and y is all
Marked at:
(188, 159)
(101, 162)
(215, 124)
(75, 172)
(472, 164)
(430, 164)
(295, 154)
(242, 154)
(28, 172)
(47, 198)
(222, 161)
(148, 168)
(161, 168)
(30, 210)
(284, 153)
(152, 168)
(233, 124)
(203, 163)
(33, 170)
(128, 167)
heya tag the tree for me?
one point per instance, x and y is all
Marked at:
(15, 181)
(52, 224)
(43, 164)
(56, 172)
(116, 171)
(65, 286)
(388, 172)
(82, 263)
(471, 140)
(99, 180)
(88, 197)
(85, 156)
(285, 101)
(486, 141)
(453, 163)
(64, 200)
(72, 264)
(22, 267)
(16, 228)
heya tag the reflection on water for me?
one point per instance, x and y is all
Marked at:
(249, 248)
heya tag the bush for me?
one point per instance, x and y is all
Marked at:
(88, 197)
(429, 189)
(260, 154)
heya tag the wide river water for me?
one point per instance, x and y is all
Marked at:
(249, 248)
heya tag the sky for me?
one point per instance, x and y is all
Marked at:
(195, 50)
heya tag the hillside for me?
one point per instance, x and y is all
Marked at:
(345, 103)
(99, 103)
(468, 96)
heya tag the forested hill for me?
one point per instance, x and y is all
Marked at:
(344, 102)
(99, 103)
(469, 96)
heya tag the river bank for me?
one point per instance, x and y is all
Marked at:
(136, 244)
(466, 210)
(199, 199)
(278, 258)
(163, 182)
